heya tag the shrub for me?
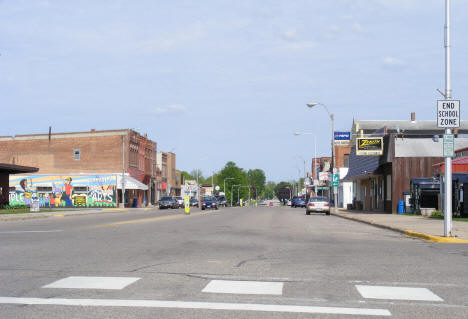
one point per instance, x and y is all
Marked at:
(437, 214)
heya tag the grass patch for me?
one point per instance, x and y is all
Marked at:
(22, 210)
(437, 214)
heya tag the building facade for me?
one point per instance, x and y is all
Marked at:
(409, 149)
(116, 152)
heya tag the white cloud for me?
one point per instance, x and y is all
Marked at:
(358, 28)
(392, 61)
(172, 109)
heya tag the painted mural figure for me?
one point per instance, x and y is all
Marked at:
(68, 192)
(27, 191)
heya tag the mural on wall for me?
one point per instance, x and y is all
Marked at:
(64, 190)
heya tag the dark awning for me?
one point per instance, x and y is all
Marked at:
(16, 169)
(361, 166)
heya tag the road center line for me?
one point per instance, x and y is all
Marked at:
(30, 231)
(145, 220)
(193, 305)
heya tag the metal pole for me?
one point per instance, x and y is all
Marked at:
(123, 171)
(315, 164)
(448, 160)
(335, 190)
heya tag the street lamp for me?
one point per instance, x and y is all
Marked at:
(332, 118)
(315, 156)
(232, 186)
(224, 188)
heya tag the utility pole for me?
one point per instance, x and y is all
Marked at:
(123, 171)
(448, 159)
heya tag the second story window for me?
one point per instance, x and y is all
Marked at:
(76, 154)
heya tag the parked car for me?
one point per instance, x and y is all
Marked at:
(209, 202)
(298, 201)
(194, 202)
(318, 204)
(168, 202)
(180, 201)
(222, 201)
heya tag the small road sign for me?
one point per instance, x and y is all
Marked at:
(335, 180)
(449, 145)
(187, 204)
(448, 113)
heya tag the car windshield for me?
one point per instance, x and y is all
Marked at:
(179, 198)
(318, 199)
(211, 198)
(166, 198)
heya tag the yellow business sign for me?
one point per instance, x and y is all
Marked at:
(369, 146)
(187, 204)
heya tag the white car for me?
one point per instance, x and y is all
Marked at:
(318, 204)
(180, 201)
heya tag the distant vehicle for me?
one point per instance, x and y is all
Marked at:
(168, 202)
(288, 202)
(318, 205)
(298, 201)
(222, 201)
(209, 202)
(262, 202)
(180, 201)
(194, 202)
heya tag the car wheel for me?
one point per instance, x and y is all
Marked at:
(327, 213)
(307, 212)
(203, 208)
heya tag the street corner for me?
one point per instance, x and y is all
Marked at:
(435, 239)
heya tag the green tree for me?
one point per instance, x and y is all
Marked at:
(256, 181)
(186, 176)
(269, 190)
(233, 175)
(283, 190)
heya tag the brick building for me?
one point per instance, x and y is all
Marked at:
(168, 178)
(103, 152)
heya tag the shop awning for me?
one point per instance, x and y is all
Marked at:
(130, 183)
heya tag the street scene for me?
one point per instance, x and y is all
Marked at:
(233, 159)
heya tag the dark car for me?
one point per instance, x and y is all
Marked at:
(193, 202)
(222, 201)
(209, 202)
(168, 202)
(298, 201)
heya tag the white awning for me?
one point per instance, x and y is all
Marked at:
(130, 183)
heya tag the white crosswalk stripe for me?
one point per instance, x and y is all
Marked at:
(397, 293)
(76, 282)
(244, 287)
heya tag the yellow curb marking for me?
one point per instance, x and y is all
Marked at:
(59, 215)
(144, 220)
(436, 239)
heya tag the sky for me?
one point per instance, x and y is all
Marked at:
(226, 80)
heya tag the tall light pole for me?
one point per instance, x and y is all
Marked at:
(332, 118)
(315, 156)
(232, 189)
(448, 96)
(224, 188)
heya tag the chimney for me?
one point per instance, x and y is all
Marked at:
(93, 130)
(413, 117)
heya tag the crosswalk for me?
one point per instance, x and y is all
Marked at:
(223, 287)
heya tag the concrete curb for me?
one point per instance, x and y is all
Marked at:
(410, 233)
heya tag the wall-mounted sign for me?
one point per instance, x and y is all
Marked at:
(369, 146)
(342, 138)
(324, 176)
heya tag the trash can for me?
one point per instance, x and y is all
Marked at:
(34, 205)
(401, 207)
(135, 202)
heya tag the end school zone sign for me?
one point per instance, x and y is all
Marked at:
(448, 113)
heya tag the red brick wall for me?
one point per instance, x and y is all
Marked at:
(97, 154)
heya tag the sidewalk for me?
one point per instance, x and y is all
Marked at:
(67, 213)
(415, 226)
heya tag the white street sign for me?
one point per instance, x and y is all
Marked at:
(448, 113)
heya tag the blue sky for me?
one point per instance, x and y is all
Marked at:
(217, 81)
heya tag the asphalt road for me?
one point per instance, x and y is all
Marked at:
(266, 262)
